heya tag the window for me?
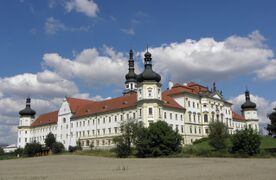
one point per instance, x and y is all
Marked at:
(198, 118)
(193, 104)
(109, 130)
(122, 117)
(115, 129)
(191, 130)
(170, 115)
(140, 112)
(115, 118)
(64, 120)
(176, 128)
(205, 118)
(150, 111)
(197, 105)
(175, 116)
(149, 92)
(206, 131)
(127, 116)
(103, 131)
(199, 130)
(195, 130)
(190, 117)
(133, 115)
(181, 117)
(165, 115)
(189, 103)
(194, 117)
(103, 120)
(109, 119)
(182, 128)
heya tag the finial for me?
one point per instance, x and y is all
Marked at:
(147, 47)
(214, 86)
(130, 54)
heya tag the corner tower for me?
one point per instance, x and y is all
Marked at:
(149, 93)
(131, 82)
(26, 119)
(249, 112)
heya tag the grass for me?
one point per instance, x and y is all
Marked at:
(268, 142)
(98, 153)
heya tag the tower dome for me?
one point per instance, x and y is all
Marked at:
(148, 74)
(248, 103)
(28, 111)
(131, 76)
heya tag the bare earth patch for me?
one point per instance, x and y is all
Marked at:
(97, 168)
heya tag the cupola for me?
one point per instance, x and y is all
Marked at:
(248, 103)
(28, 111)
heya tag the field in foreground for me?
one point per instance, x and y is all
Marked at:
(99, 168)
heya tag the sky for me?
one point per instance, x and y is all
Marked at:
(55, 48)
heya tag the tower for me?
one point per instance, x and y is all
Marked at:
(131, 82)
(249, 112)
(149, 93)
(26, 119)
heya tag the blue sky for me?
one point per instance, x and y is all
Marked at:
(52, 40)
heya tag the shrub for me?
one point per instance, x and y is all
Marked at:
(123, 149)
(79, 147)
(72, 148)
(57, 147)
(31, 149)
(246, 141)
(197, 141)
(50, 140)
(1, 151)
(218, 135)
(19, 151)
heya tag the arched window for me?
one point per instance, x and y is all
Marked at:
(205, 118)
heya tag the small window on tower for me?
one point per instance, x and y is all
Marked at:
(150, 92)
(150, 111)
(127, 86)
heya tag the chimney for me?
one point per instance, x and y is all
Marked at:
(170, 84)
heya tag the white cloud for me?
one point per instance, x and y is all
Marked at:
(129, 31)
(88, 7)
(208, 59)
(268, 72)
(43, 84)
(264, 106)
(94, 68)
(52, 26)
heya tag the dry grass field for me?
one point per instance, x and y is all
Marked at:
(98, 168)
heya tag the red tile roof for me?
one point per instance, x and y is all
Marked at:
(237, 117)
(106, 105)
(75, 103)
(46, 119)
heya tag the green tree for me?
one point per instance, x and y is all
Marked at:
(246, 141)
(57, 147)
(163, 139)
(50, 140)
(1, 151)
(124, 142)
(31, 149)
(272, 126)
(218, 135)
(78, 146)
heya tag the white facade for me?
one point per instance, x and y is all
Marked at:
(187, 108)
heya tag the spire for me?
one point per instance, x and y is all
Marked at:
(130, 83)
(247, 95)
(248, 103)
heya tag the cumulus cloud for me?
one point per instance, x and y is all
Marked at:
(88, 7)
(268, 72)
(264, 106)
(208, 59)
(43, 84)
(52, 26)
(95, 68)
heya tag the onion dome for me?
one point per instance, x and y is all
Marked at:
(248, 103)
(131, 76)
(28, 111)
(148, 74)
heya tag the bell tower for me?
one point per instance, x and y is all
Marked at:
(26, 119)
(131, 82)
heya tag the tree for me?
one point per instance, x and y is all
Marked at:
(218, 135)
(246, 141)
(31, 149)
(1, 151)
(163, 140)
(78, 146)
(50, 140)
(57, 147)
(272, 126)
(125, 141)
